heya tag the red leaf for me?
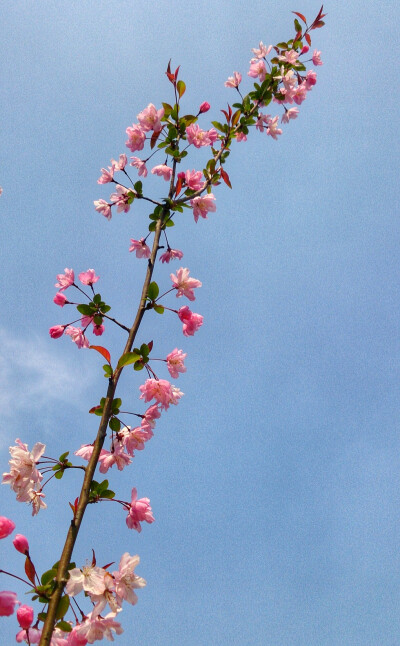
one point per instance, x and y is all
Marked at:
(150, 345)
(225, 177)
(230, 111)
(92, 411)
(103, 351)
(154, 138)
(30, 570)
(318, 24)
(108, 565)
(298, 35)
(178, 186)
(94, 557)
(300, 15)
(171, 77)
(308, 39)
(176, 72)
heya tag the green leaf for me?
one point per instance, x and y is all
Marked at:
(128, 358)
(105, 309)
(102, 486)
(63, 456)
(219, 126)
(97, 320)
(64, 626)
(169, 223)
(108, 494)
(188, 119)
(97, 298)
(48, 576)
(59, 474)
(138, 186)
(144, 350)
(116, 405)
(86, 310)
(62, 607)
(114, 424)
(153, 291)
(152, 226)
(159, 309)
(138, 365)
(42, 616)
(181, 87)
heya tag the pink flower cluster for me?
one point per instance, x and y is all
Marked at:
(199, 138)
(24, 478)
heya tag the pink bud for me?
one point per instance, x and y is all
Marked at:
(56, 331)
(305, 49)
(25, 616)
(204, 107)
(60, 299)
(7, 603)
(6, 527)
(21, 544)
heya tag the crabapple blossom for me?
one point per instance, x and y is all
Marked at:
(106, 175)
(257, 69)
(151, 414)
(198, 137)
(116, 456)
(262, 50)
(194, 179)
(24, 477)
(191, 321)
(121, 163)
(134, 439)
(183, 284)
(33, 634)
(65, 280)
(311, 79)
(160, 390)
(60, 299)
(205, 106)
(170, 254)
(273, 130)
(150, 118)
(136, 138)
(98, 329)
(107, 596)
(139, 511)
(234, 81)
(163, 171)
(140, 248)
(262, 121)
(126, 581)
(103, 207)
(90, 579)
(122, 199)
(56, 331)
(95, 628)
(175, 363)
(21, 544)
(37, 502)
(88, 277)
(140, 165)
(202, 205)
(77, 336)
(290, 56)
(290, 114)
(316, 57)
(6, 527)
(25, 616)
(241, 136)
(8, 601)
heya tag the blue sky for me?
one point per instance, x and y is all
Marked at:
(275, 482)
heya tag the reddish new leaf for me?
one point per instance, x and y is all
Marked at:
(154, 138)
(30, 570)
(108, 565)
(176, 72)
(171, 76)
(93, 558)
(298, 36)
(150, 345)
(103, 351)
(225, 177)
(308, 39)
(300, 15)
(318, 24)
(178, 186)
(93, 410)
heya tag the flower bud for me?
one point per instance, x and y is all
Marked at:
(6, 527)
(305, 49)
(7, 603)
(204, 107)
(25, 616)
(21, 544)
(56, 331)
(60, 299)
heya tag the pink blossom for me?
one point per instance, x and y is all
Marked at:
(60, 299)
(126, 581)
(198, 137)
(290, 114)
(273, 130)
(6, 527)
(234, 81)
(184, 284)
(56, 331)
(136, 138)
(163, 171)
(21, 544)
(191, 321)
(121, 163)
(25, 616)
(90, 579)
(122, 199)
(194, 179)
(140, 247)
(98, 329)
(151, 414)
(150, 118)
(202, 205)
(175, 363)
(107, 596)
(140, 165)
(257, 69)
(88, 277)
(290, 57)
(160, 390)
(24, 478)
(65, 280)
(240, 136)
(77, 336)
(106, 175)
(8, 600)
(262, 51)
(316, 58)
(300, 93)
(96, 628)
(85, 451)
(135, 438)
(1, 190)
(74, 639)
(204, 107)
(116, 456)
(139, 511)
(262, 121)
(37, 502)
(34, 636)
(103, 207)
(170, 254)
(311, 79)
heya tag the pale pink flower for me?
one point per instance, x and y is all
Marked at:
(204, 107)
(106, 175)
(88, 277)
(163, 171)
(126, 581)
(191, 321)
(116, 456)
(262, 50)
(85, 451)
(290, 114)
(290, 57)
(316, 58)
(90, 579)
(103, 207)
(139, 511)
(140, 247)
(151, 414)
(106, 597)
(273, 130)
(289, 80)
(37, 502)
(65, 280)
(311, 79)
(122, 199)
(21, 544)
(24, 477)
(135, 438)
(6, 527)
(150, 118)
(34, 636)
(198, 137)
(234, 81)
(136, 138)
(175, 363)
(96, 628)
(77, 336)
(184, 284)
(8, 601)
(140, 165)
(194, 179)
(25, 616)
(257, 69)
(170, 254)
(262, 121)
(202, 205)
(60, 299)
(121, 163)
(300, 93)
(240, 136)
(158, 389)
